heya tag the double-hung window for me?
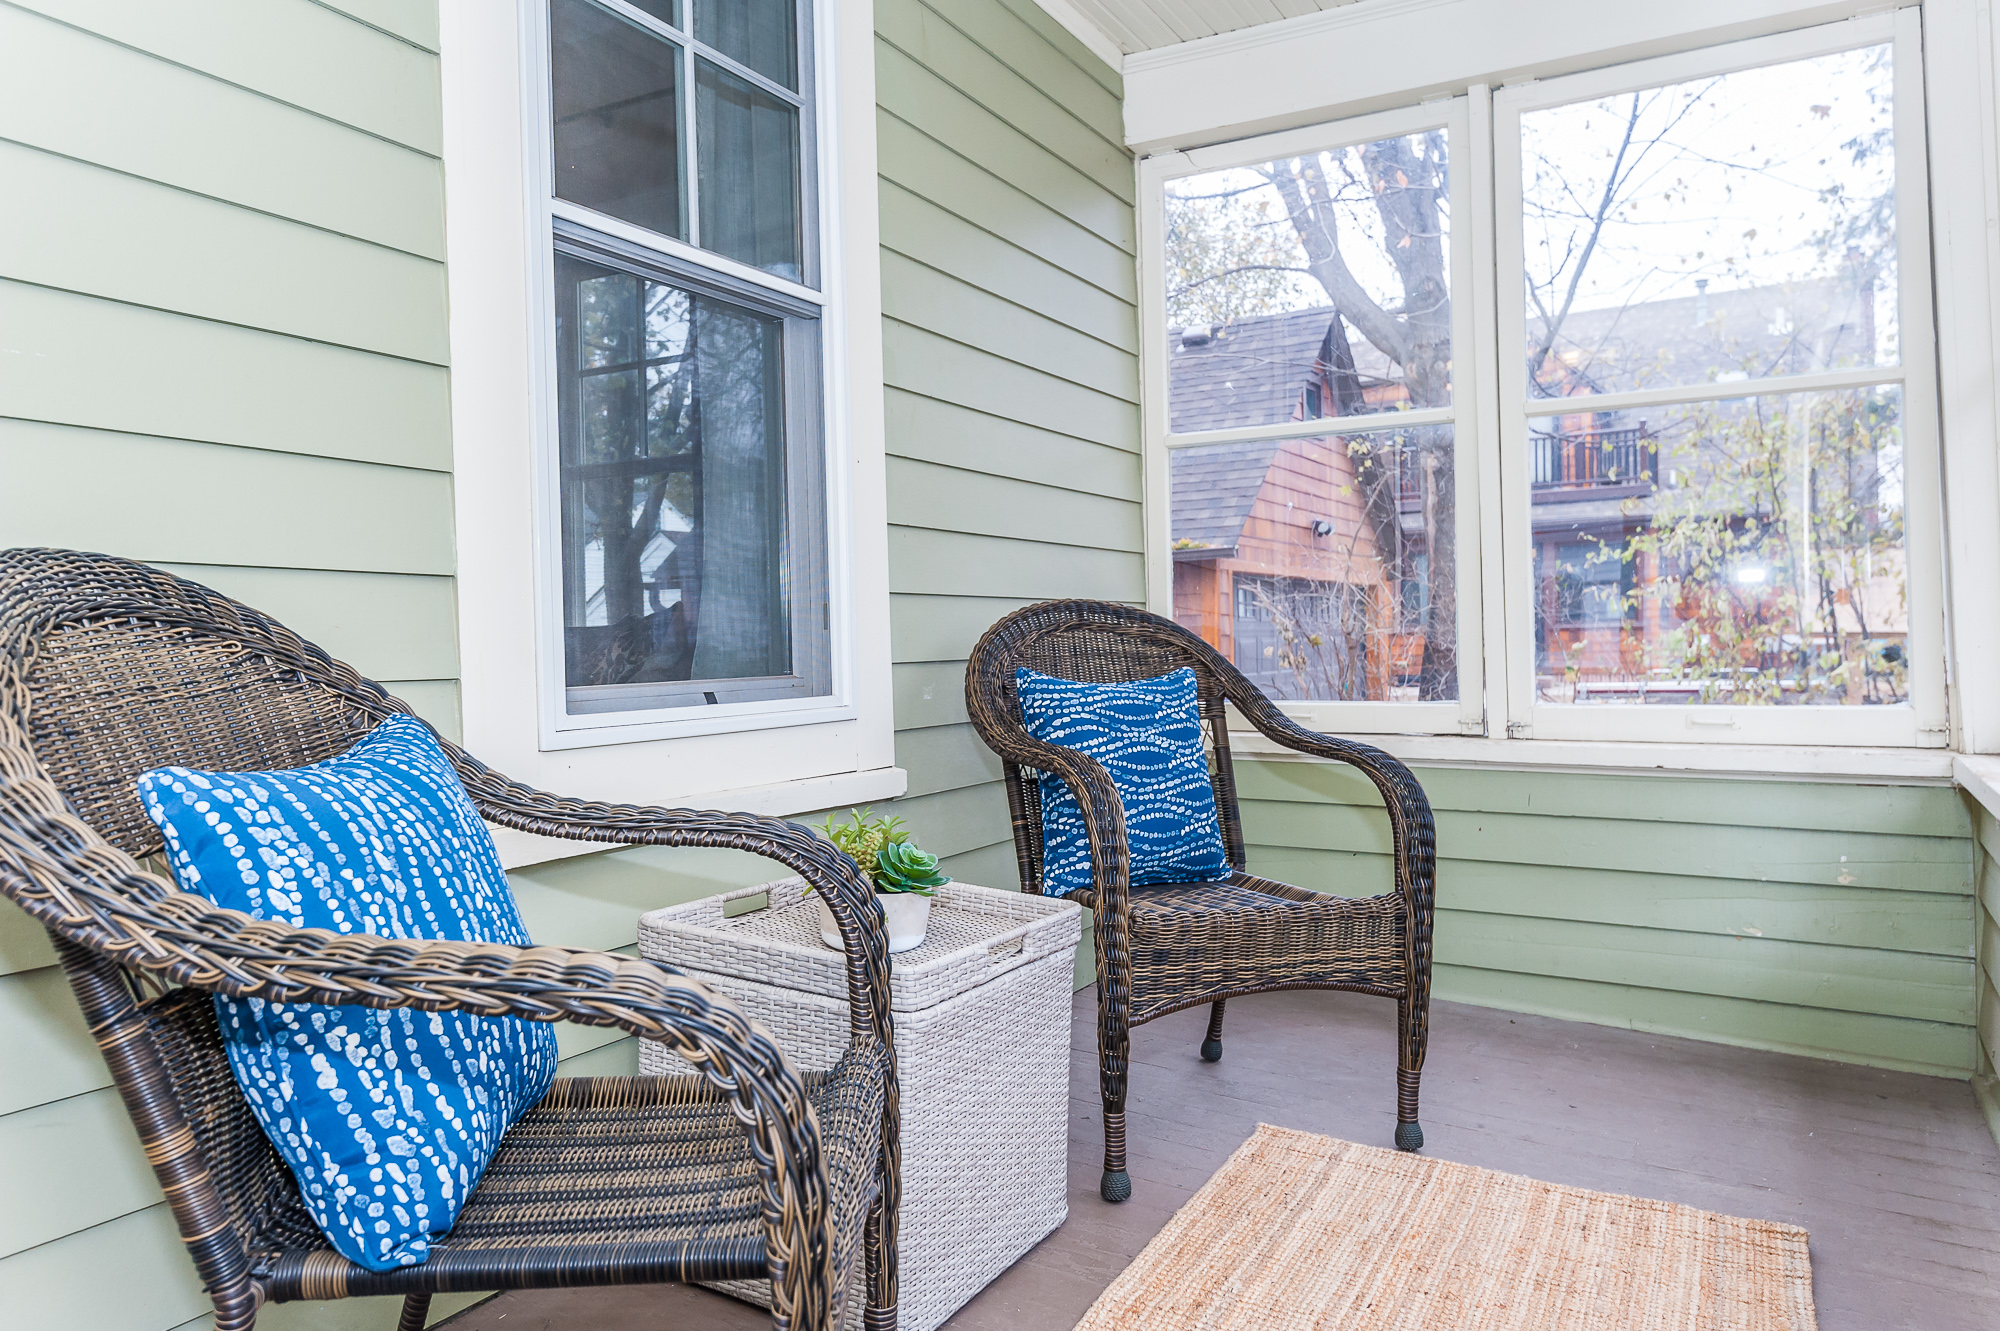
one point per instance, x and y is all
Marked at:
(1600, 407)
(682, 469)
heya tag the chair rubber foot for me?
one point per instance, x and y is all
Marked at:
(1409, 1137)
(1115, 1187)
(1211, 1051)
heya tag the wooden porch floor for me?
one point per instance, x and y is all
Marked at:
(1895, 1175)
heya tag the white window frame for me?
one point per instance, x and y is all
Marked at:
(1921, 723)
(498, 239)
(1394, 53)
(560, 727)
(1465, 416)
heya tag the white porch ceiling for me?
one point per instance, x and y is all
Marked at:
(1145, 25)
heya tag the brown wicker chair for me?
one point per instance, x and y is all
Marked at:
(1161, 949)
(749, 1170)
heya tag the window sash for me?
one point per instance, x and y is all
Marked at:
(805, 101)
(820, 686)
(1464, 715)
(1922, 721)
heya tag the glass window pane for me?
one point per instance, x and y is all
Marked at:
(762, 34)
(672, 483)
(749, 172)
(617, 117)
(1742, 552)
(1324, 568)
(1314, 286)
(1725, 228)
(667, 11)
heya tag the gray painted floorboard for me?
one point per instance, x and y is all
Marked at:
(1895, 1175)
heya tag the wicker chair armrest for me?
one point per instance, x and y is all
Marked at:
(830, 871)
(1411, 824)
(1097, 799)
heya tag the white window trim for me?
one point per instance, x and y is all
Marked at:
(773, 758)
(1466, 715)
(1395, 52)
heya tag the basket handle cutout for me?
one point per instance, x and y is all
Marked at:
(748, 903)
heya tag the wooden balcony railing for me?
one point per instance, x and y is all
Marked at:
(1593, 458)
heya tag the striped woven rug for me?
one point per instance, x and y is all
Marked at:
(1299, 1232)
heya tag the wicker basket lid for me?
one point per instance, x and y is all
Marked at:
(976, 934)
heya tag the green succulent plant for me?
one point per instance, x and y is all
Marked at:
(883, 849)
(901, 867)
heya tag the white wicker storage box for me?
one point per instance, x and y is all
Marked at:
(982, 1012)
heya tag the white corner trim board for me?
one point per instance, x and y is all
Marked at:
(1086, 31)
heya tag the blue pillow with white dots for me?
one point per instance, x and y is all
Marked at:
(1147, 735)
(387, 1117)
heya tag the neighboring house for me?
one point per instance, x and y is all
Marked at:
(1277, 534)
(1278, 559)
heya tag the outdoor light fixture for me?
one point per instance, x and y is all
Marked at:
(1322, 526)
(1751, 573)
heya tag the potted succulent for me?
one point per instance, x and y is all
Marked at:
(904, 876)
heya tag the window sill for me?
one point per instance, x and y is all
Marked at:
(1978, 775)
(1799, 762)
(518, 850)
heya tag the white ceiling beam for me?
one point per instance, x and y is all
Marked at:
(1361, 57)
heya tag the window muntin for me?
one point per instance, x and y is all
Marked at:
(1317, 490)
(686, 509)
(1722, 465)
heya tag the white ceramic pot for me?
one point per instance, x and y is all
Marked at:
(908, 915)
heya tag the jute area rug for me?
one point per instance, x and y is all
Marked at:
(1299, 1232)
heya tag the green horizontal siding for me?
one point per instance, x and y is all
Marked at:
(953, 499)
(1819, 918)
(917, 96)
(293, 52)
(222, 308)
(211, 382)
(201, 256)
(914, 293)
(924, 361)
(137, 115)
(1011, 210)
(176, 502)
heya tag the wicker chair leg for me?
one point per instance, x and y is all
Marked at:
(1409, 1133)
(1211, 1048)
(416, 1311)
(880, 1314)
(1114, 1042)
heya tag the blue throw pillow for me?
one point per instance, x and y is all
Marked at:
(386, 1117)
(1147, 734)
